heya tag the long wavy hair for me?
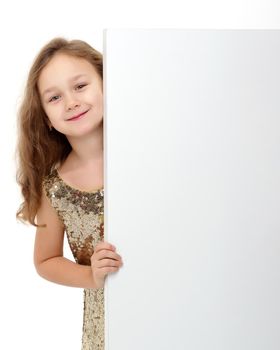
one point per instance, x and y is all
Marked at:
(38, 149)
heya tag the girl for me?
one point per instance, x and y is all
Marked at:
(60, 172)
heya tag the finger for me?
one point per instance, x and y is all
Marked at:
(104, 245)
(108, 263)
(106, 270)
(103, 254)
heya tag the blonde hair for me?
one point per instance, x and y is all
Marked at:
(39, 150)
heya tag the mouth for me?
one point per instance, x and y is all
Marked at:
(78, 116)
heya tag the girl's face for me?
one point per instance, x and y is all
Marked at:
(70, 88)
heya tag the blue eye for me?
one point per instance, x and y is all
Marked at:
(80, 86)
(54, 98)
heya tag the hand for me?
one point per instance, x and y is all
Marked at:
(104, 260)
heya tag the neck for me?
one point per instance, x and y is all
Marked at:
(88, 149)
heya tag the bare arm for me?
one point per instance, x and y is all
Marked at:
(48, 252)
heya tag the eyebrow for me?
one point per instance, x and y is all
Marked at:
(73, 79)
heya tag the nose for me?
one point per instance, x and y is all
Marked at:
(72, 103)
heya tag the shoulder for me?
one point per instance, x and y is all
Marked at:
(50, 182)
(48, 210)
(53, 176)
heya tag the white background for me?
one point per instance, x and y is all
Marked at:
(194, 200)
(35, 313)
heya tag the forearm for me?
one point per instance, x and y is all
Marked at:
(66, 272)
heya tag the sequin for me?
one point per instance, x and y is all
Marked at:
(82, 215)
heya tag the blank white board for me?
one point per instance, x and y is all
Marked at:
(192, 183)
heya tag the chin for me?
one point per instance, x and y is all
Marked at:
(84, 132)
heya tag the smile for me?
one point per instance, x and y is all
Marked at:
(78, 116)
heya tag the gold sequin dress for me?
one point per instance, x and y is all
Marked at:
(82, 215)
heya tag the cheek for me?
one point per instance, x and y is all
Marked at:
(99, 103)
(53, 112)
(94, 97)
